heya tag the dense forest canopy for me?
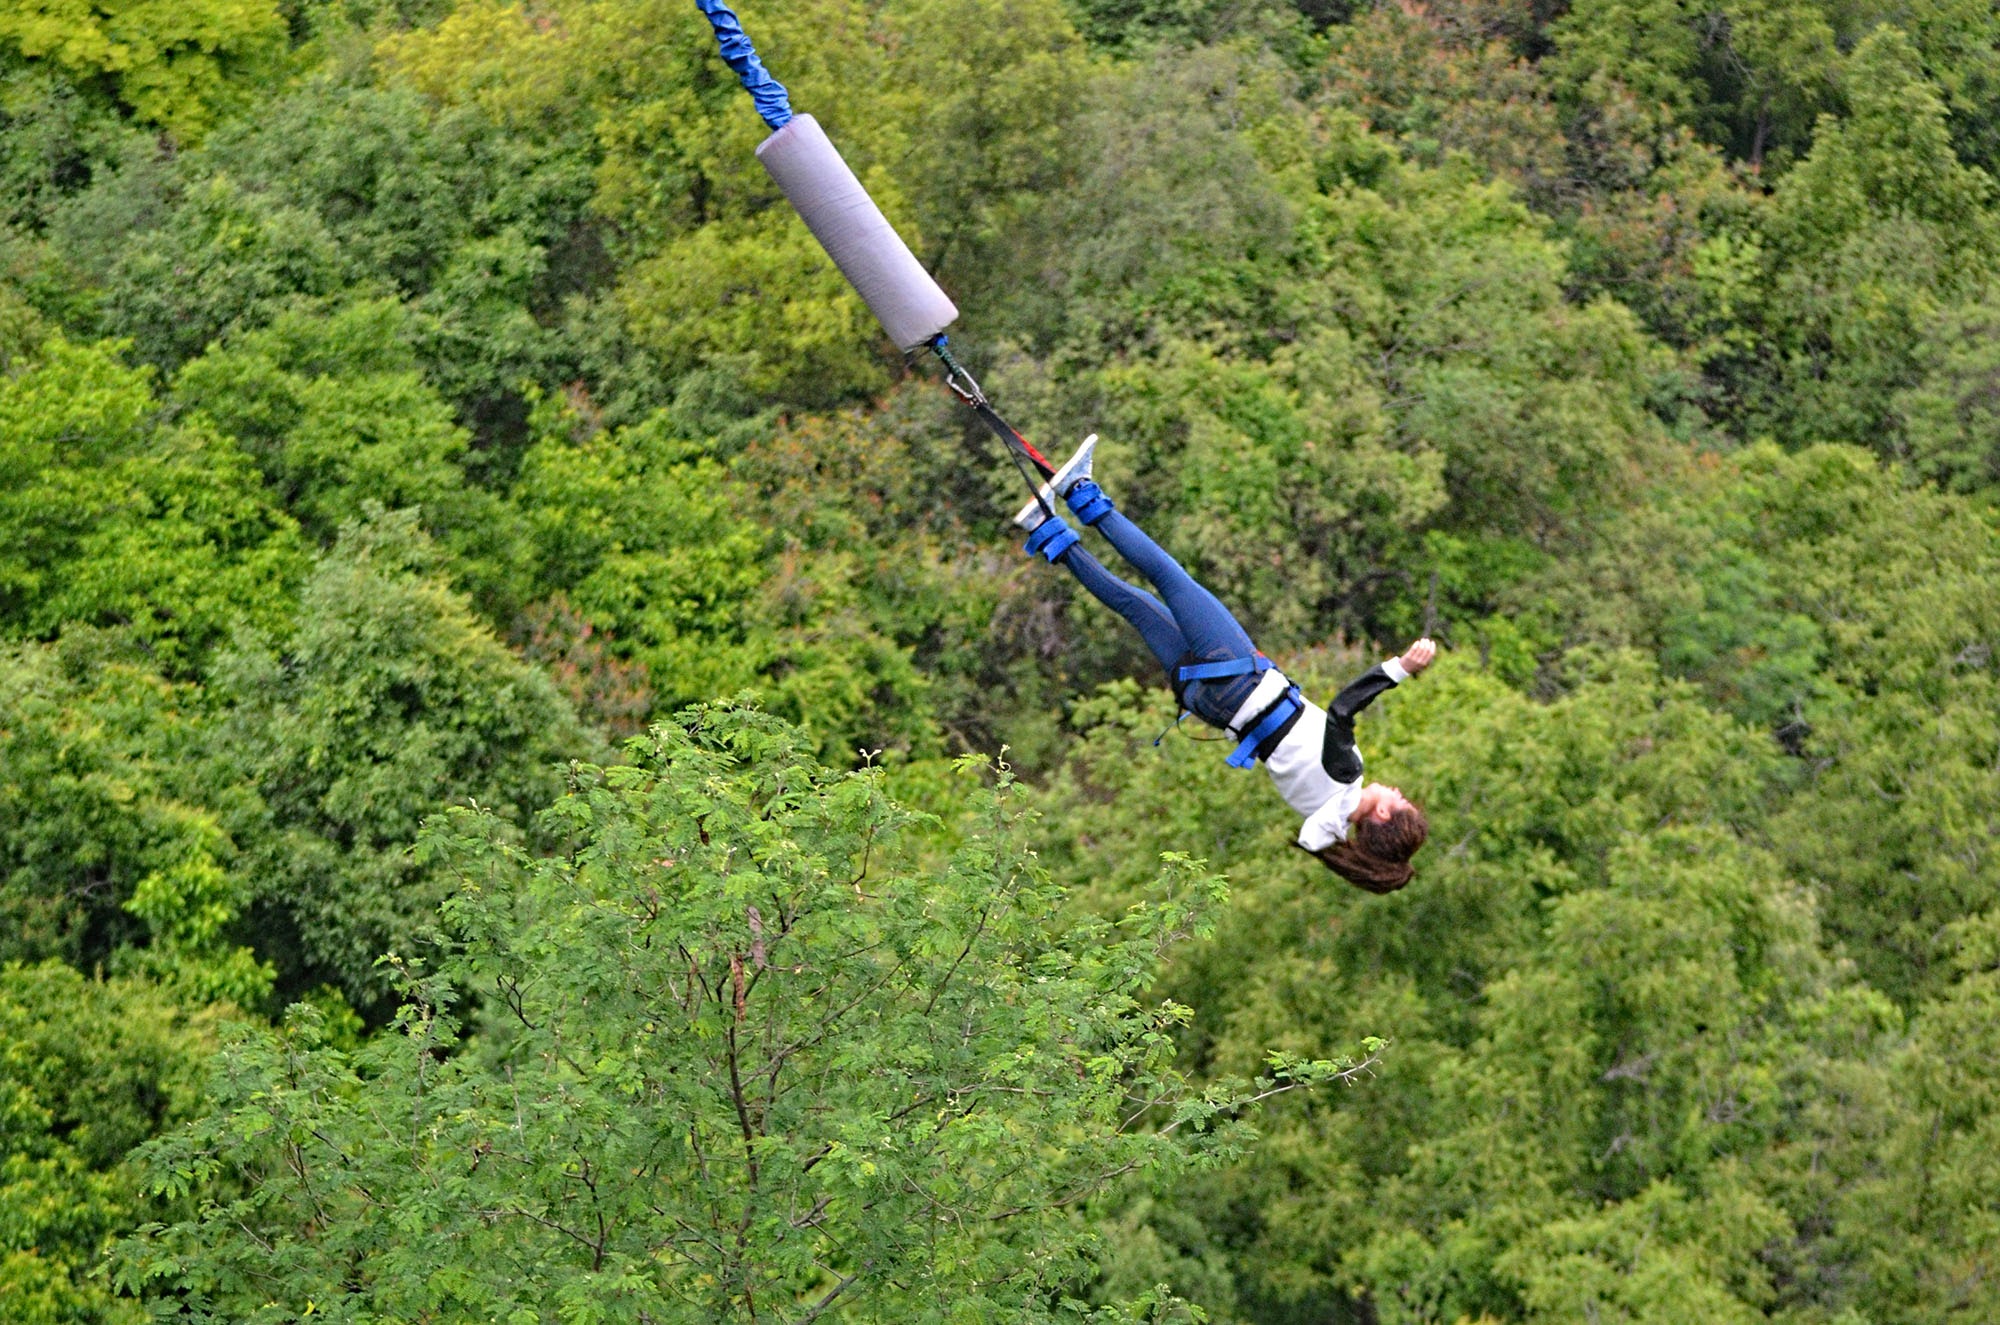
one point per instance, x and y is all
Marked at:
(536, 783)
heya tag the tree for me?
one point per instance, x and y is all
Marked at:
(742, 1057)
(182, 65)
(89, 1069)
(1875, 234)
(483, 233)
(1402, 358)
(1175, 224)
(801, 570)
(333, 406)
(216, 256)
(1597, 981)
(385, 701)
(1826, 597)
(704, 303)
(55, 137)
(112, 518)
(1956, 38)
(704, 244)
(338, 193)
(636, 528)
(998, 89)
(110, 856)
(1748, 76)
(1130, 26)
(1949, 419)
(1431, 78)
(1919, 1213)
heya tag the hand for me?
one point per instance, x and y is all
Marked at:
(1418, 656)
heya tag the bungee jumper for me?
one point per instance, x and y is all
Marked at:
(1366, 833)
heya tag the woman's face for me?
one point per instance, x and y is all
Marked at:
(1385, 801)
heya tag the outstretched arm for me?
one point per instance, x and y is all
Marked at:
(1362, 691)
(1340, 759)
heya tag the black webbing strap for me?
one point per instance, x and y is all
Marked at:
(1016, 443)
(1019, 448)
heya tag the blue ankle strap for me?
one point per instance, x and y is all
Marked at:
(1051, 539)
(1088, 502)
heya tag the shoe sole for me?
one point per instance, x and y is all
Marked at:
(1073, 470)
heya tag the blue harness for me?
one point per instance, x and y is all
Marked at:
(1261, 728)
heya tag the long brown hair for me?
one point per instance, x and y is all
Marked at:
(1376, 854)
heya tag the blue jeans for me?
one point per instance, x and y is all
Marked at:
(1192, 625)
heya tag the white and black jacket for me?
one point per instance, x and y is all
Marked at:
(1313, 758)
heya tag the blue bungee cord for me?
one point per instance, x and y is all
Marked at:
(773, 102)
(862, 244)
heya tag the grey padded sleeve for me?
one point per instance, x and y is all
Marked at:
(855, 234)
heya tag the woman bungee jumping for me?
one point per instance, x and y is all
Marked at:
(1364, 833)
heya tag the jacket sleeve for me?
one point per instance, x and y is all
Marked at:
(1339, 757)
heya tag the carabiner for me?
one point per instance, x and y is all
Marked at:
(955, 374)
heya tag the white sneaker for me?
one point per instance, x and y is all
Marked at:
(1074, 470)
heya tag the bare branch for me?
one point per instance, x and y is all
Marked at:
(819, 1307)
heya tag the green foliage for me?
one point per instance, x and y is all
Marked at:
(1133, 25)
(996, 87)
(1636, 196)
(939, 629)
(1594, 984)
(1956, 39)
(332, 405)
(714, 579)
(615, 694)
(631, 526)
(688, 306)
(1435, 84)
(54, 136)
(1463, 318)
(1418, 366)
(90, 801)
(1749, 76)
(179, 64)
(22, 331)
(220, 257)
(1920, 1211)
(1823, 596)
(112, 518)
(1875, 234)
(1657, 1257)
(385, 701)
(484, 233)
(341, 190)
(88, 1070)
(744, 1057)
(1173, 226)
(1950, 419)
(401, 186)
(707, 254)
